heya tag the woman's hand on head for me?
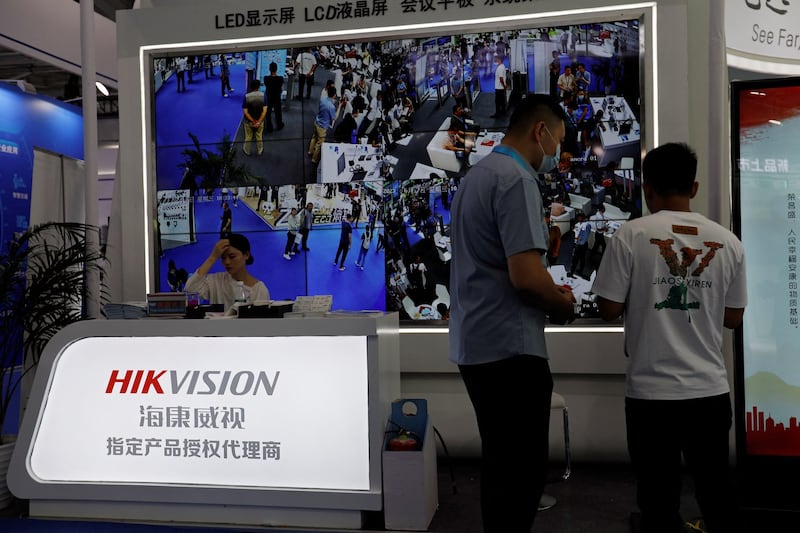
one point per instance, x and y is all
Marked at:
(220, 247)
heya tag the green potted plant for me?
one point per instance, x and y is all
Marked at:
(43, 272)
(215, 168)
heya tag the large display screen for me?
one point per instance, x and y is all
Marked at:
(389, 158)
(766, 127)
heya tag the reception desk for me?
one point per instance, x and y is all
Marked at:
(616, 141)
(268, 422)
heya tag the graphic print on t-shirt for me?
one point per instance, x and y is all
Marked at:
(681, 279)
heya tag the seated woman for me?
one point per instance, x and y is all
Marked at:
(405, 114)
(220, 287)
(455, 142)
(345, 131)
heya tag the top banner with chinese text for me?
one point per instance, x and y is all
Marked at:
(205, 20)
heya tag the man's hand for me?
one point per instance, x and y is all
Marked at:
(564, 310)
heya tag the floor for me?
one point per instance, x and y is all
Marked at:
(598, 498)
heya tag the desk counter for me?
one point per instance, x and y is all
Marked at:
(239, 422)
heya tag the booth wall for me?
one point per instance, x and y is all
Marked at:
(588, 367)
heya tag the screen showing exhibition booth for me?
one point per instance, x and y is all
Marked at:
(387, 161)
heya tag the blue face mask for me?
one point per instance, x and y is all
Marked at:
(549, 162)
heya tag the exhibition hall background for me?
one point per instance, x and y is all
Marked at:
(587, 361)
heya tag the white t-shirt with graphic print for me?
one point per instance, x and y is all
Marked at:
(676, 272)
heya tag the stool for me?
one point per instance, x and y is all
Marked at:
(558, 402)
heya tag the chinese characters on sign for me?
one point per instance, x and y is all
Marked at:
(9, 148)
(776, 166)
(345, 10)
(196, 418)
(776, 6)
(199, 448)
(184, 417)
(791, 243)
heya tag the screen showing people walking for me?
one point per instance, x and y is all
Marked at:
(339, 161)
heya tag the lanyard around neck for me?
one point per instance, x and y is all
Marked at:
(513, 154)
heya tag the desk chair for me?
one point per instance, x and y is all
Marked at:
(557, 402)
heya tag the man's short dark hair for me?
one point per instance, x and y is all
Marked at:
(670, 169)
(331, 91)
(255, 85)
(273, 67)
(533, 108)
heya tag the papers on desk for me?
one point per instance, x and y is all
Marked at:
(343, 313)
(320, 303)
(129, 310)
(210, 315)
(578, 285)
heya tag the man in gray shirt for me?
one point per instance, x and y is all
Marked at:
(254, 111)
(501, 294)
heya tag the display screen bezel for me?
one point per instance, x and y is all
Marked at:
(645, 60)
(758, 472)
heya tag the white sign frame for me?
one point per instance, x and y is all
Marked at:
(369, 343)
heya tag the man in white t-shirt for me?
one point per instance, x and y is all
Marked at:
(304, 66)
(180, 69)
(566, 83)
(679, 278)
(600, 226)
(499, 87)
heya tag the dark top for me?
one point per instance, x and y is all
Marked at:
(254, 103)
(344, 130)
(347, 230)
(274, 87)
(227, 218)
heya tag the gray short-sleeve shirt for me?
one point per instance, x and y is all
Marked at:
(496, 213)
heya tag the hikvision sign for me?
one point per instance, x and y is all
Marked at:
(238, 411)
(219, 382)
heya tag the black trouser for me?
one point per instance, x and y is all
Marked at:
(305, 79)
(304, 241)
(225, 82)
(658, 432)
(344, 247)
(499, 101)
(275, 108)
(579, 258)
(181, 77)
(599, 243)
(290, 237)
(511, 398)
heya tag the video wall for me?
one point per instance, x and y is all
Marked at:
(408, 119)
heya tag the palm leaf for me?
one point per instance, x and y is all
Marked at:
(43, 272)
